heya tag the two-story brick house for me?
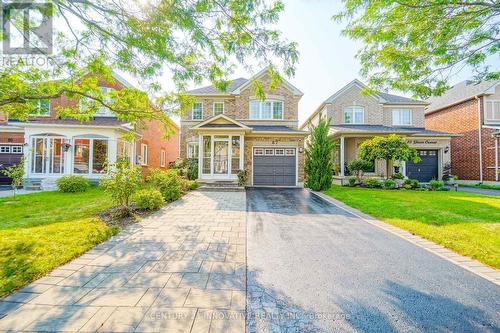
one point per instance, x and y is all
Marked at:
(471, 110)
(356, 117)
(54, 146)
(234, 130)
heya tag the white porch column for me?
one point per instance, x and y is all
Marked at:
(68, 157)
(242, 153)
(200, 155)
(342, 156)
(496, 158)
(27, 151)
(112, 149)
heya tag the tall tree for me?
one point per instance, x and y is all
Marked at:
(194, 40)
(318, 157)
(417, 46)
(390, 148)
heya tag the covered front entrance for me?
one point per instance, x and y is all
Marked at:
(221, 156)
(427, 169)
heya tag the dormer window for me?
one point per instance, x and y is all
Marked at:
(266, 110)
(401, 117)
(354, 115)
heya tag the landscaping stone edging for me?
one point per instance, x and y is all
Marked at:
(473, 266)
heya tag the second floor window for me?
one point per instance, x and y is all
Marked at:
(218, 108)
(401, 117)
(267, 110)
(354, 115)
(492, 111)
(198, 111)
(42, 108)
(101, 111)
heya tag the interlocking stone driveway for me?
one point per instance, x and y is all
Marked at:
(180, 270)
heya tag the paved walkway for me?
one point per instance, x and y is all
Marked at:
(485, 191)
(180, 270)
(315, 267)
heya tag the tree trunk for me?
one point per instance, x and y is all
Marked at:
(387, 168)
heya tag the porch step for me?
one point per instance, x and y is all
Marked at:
(220, 186)
(48, 184)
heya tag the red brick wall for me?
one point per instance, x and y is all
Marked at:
(152, 136)
(6, 137)
(460, 119)
(463, 119)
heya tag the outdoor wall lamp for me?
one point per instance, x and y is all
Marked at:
(446, 150)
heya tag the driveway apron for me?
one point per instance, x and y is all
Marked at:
(313, 267)
(180, 270)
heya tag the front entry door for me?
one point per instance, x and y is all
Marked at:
(221, 150)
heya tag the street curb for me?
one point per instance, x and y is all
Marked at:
(473, 266)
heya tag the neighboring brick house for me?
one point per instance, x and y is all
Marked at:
(473, 111)
(234, 130)
(54, 147)
(356, 117)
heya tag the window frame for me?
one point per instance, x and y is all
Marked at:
(410, 111)
(12, 147)
(91, 154)
(353, 108)
(260, 112)
(163, 158)
(6, 149)
(201, 112)
(144, 154)
(492, 102)
(191, 152)
(39, 107)
(213, 107)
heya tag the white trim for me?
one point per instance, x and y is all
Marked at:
(192, 149)
(493, 120)
(163, 158)
(213, 107)
(353, 107)
(261, 103)
(496, 158)
(221, 116)
(401, 124)
(480, 139)
(144, 154)
(342, 157)
(192, 111)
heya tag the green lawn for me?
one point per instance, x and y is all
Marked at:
(464, 222)
(41, 231)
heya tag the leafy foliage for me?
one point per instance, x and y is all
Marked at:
(16, 173)
(358, 167)
(318, 157)
(398, 175)
(121, 182)
(72, 184)
(148, 199)
(372, 182)
(169, 183)
(417, 46)
(242, 177)
(192, 40)
(351, 181)
(412, 182)
(389, 184)
(435, 185)
(187, 168)
(390, 148)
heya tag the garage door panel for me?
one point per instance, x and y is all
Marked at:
(274, 170)
(426, 169)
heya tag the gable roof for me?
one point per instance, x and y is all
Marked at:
(228, 123)
(460, 92)
(236, 85)
(383, 98)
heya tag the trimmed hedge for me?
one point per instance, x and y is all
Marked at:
(148, 199)
(72, 184)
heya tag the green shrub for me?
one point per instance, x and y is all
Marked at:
(412, 182)
(372, 182)
(187, 168)
(389, 184)
(169, 183)
(242, 177)
(398, 175)
(121, 182)
(148, 199)
(72, 184)
(359, 167)
(407, 186)
(351, 181)
(435, 185)
(192, 185)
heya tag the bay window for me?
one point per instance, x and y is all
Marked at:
(266, 110)
(401, 117)
(354, 115)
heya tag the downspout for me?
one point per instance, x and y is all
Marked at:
(496, 157)
(480, 139)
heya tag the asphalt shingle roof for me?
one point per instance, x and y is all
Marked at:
(386, 129)
(399, 99)
(93, 122)
(210, 90)
(460, 92)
